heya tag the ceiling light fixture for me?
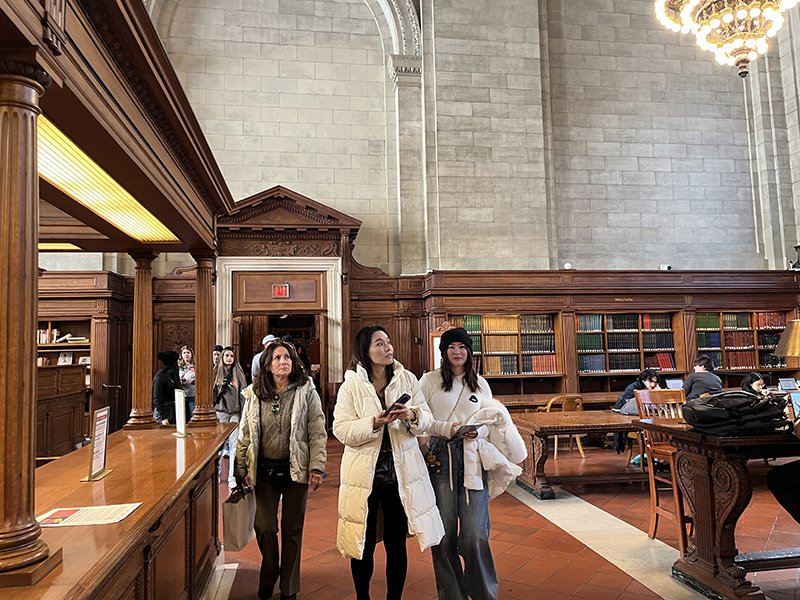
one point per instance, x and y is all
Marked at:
(71, 170)
(736, 31)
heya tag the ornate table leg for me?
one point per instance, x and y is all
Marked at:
(717, 489)
(533, 478)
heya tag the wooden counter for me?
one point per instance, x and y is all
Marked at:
(165, 549)
(60, 407)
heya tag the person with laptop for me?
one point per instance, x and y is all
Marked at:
(703, 380)
(626, 403)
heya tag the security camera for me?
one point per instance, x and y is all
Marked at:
(665, 267)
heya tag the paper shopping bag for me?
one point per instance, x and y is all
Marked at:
(238, 515)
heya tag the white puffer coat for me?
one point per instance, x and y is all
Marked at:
(356, 404)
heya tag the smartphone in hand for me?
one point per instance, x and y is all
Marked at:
(400, 402)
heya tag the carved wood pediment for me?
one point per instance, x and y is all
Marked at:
(279, 209)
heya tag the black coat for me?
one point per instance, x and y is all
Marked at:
(165, 383)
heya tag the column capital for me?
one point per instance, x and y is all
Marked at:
(143, 254)
(405, 70)
(209, 254)
(27, 70)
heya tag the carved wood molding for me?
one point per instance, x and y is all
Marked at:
(252, 247)
(107, 32)
(33, 72)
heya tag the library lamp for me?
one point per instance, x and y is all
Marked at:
(790, 340)
(736, 31)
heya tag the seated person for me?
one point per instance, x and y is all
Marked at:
(784, 483)
(702, 381)
(754, 383)
(626, 403)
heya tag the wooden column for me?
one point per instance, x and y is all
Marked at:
(24, 557)
(142, 379)
(205, 324)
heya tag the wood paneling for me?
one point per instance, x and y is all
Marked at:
(148, 554)
(252, 292)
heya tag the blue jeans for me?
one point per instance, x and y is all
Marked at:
(470, 540)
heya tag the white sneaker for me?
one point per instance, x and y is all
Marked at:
(231, 483)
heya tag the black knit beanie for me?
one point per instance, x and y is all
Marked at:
(459, 334)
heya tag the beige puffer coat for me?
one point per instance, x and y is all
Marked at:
(356, 404)
(308, 438)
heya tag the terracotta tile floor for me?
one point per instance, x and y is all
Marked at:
(534, 558)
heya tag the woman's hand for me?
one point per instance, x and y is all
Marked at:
(165, 422)
(381, 419)
(243, 482)
(314, 481)
(404, 412)
(471, 435)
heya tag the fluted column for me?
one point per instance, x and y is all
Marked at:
(24, 557)
(142, 385)
(204, 325)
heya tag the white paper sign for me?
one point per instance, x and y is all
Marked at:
(99, 441)
(87, 515)
(180, 411)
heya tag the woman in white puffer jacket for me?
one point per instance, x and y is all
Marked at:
(383, 472)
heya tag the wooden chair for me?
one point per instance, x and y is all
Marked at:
(665, 404)
(635, 436)
(565, 403)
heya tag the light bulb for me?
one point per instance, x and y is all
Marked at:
(738, 43)
(715, 23)
(752, 55)
(741, 14)
(755, 11)
(727, 17)
(705, 29)
(750, 43)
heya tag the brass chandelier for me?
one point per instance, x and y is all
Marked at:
(736, 31)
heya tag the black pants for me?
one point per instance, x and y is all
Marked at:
(784, 483)
(395, 528)
(286, 562)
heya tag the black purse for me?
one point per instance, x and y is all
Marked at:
(385, 475)
(274, 471)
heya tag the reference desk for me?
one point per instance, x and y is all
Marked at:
(537, 427)
(712, 474)
(165, 549)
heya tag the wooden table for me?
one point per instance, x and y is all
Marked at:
(712, 474)
(165, 549)
(537, 427)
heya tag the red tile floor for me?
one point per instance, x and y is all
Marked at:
(534, 558)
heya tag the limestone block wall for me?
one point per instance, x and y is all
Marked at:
(291, 92)
(651, 159)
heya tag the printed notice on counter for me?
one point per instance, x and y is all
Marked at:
(97, 463)
(87, 515)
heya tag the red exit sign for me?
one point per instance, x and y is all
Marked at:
(280, 290)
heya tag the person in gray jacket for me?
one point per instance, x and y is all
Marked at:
(702, 381)
(282, 451)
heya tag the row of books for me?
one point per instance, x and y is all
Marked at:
(663, 361)
(623, 322)
(708, 339)
(663, 340)
(739, 339)
(657, 321)
(590, 341)
(539, 343)
(539, 363)
(624, 362)
(500, 323)
(623, 341)
(591, 363)
(536, 323)
(500, 365)
(53, 336)
(769, 320)
(472, 323)
(736, 320)
(501, 344)
(476, 344)
(590, 322)
(742, 359)
(768, 340)
(771, 361)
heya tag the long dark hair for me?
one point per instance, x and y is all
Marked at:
(470, 376)
(235, 372)
(749, 380)
(361, 344)
(264, 383)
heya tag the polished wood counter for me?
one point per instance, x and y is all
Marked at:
(165, 549)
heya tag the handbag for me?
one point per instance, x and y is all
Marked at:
(274, 470)
(385, 475)
(238, 516)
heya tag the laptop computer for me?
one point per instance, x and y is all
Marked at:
(674, 384)
(787, 385)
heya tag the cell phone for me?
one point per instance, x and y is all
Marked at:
(400, 402)
(465, 429)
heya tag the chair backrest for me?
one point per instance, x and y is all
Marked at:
(663, 404)
(565, 403)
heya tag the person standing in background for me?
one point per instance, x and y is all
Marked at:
(216, 353)
(186, 372)
(166, 381)
(229, 383)
(256, 366)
